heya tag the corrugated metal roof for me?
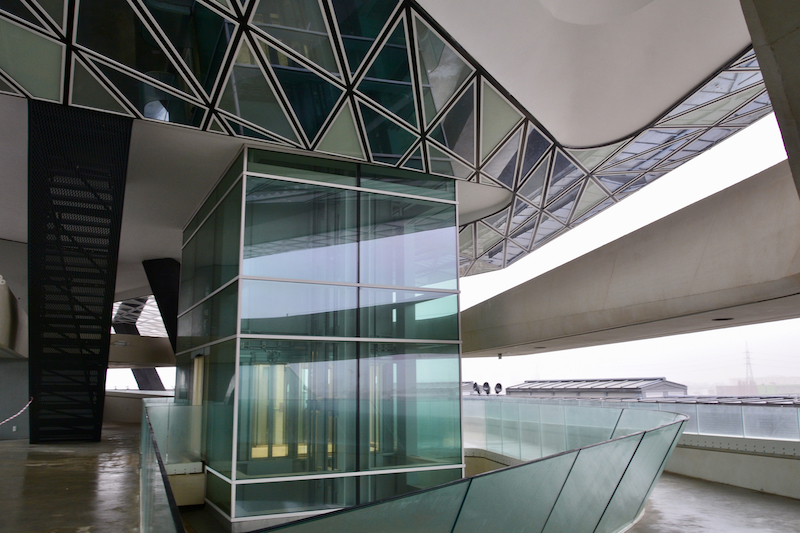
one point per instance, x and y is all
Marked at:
(592, 384)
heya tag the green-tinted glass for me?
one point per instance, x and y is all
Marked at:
(212, 320)
(218, 492)
(410, 405)
(465, 243)
(17, 8)
(232, 174)
(249, 96)
(499, 118)
(533, 187)
(442, 69)
(442, 163)
(456, 129)
(592, 157)
(297, 408)
(151, 101)
(535, 146)
(565, 173)
(388, 80)
(589, 425)
(486, 238)
(530, 432)
(312, 237)
(300, 167)
(415, 161)
(214, 125)
(395, 314)
(33, 61)
(503, 166)
(387, 140)
(311, 97)
(245, 131)
(54, 8)
(278, 308)
(562, 207)
(295, 496)
(407, 243)
(219, 368)
(383, 486)
(399, 181)
(7, 88)
(553, 429)
(711, 113)
(88, 92)
(360, 22)
(591, 196)
(299, 24)
(342, 137)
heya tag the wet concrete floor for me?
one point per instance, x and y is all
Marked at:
(684, 505)
(71, 488)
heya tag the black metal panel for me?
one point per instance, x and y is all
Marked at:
(148, 379)
(164, 276)
(77, 161)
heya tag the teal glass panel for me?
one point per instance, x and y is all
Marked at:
(152, 102)
(589, 425)
(184, 370)
(342, 137)
(299, 24)
(396, 314)
(211, 320)
(219, 369)
(494, 427)
(220, 189)
(415, 161)
(565, 173)
(410, 398)
(388, 80)
(399, 181)
(388, 141)
(511, 431)
(442, 163)
(553, 429)
(54, 8)
(770, 422)
(407, 242)
(18, 9)
(297, 408)
(533, 187)
(715, 419)
(592, 157)
(503, 166)
(250, 97)
(294, 496)
(311, 97)
(442, 70)
(535, 146)
(591, 196)
(515, 499)
(380, 487)
(562, 207)
(300, 231)
(499, 118)
(530, 432)
(218, 492)
(299, 167)
(88, 92)
(638, 480)
(200, 36)
(113, 30)
(633, 420)
(244, 131)
(456, 130)
(31, 60)
(432, 511)
(278, 308)
(590, 485)
(473, 423)
(7, 88)
(360, 22)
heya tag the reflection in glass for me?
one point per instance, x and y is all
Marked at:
(342, 137)
(297, 407)
(280, 308)
(407, 243)
(388, 141)
(304, 168)
(383, 486)
(503, 119)
(299, 231)
(360, 22)
(410, 398)
(88, 92)
(392, 314)
(398, 181)
(295, 496)
(212, 320)
(219, 367)
(456, 130)
(32, 61)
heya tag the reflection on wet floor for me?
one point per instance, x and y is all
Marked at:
(684, 505)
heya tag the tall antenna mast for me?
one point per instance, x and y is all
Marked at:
(750, 380)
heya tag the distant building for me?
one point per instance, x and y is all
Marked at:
(599, 388)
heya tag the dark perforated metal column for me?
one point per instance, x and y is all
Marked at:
(76, 182)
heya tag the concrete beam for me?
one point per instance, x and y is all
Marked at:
(134, 351)
(774, 26)
(728, 260)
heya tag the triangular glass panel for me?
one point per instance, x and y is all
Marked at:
(482, 267)
(224, 3)
(388, 141)
(547, 228)
(442, 70)
(466, 244)
(700, 144)
(638, 184)
(565, 173)
(761, 104)
(746, 120)
(709, 114)
(503, 166)
(592, 157)
(6, 88)
(485, 238)
(498, 119)
(464, 265)
(535, 147)
(215, 126)
(562, 207)
(521, 211)
(151, 101)
(21, 11)
(648, 146)
(494, 257)
(613, 182)
(54, 8)
(311, 97)
(724, 84)
(532, 188)
(593, 211)
(456, 129)
(498, 221)
(514, 252)
(33, 61)
(249, 96)
(342, 136)
(486, 180)
(88, 92)
(116, 44)
(243, 131)
(200, 36)
(592, 195)
(446, 165)
(300, 25)
(360, 23)
(747, 59)
(524, 234)
(415, 161)
(388, 80)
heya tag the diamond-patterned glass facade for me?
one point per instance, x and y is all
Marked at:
(373, 81)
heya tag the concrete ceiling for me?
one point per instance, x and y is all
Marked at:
(594, 72)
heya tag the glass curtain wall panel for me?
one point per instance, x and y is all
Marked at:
(321, 298)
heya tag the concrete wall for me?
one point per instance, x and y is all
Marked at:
(13, 397)
(126, 406)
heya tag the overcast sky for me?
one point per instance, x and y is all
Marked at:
(694, 359)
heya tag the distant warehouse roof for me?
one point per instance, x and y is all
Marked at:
(621, 388)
